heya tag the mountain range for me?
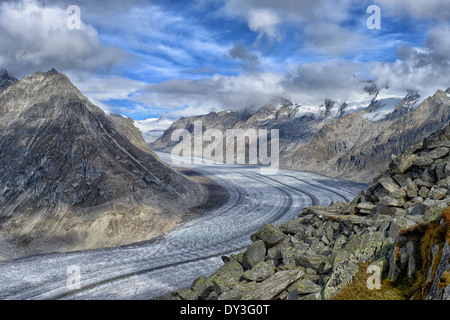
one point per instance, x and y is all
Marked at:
(351, 140)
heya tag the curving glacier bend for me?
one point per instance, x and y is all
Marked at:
(154, 268)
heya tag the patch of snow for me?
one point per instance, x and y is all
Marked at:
(152, 128)
(303, 110)
(387, 107)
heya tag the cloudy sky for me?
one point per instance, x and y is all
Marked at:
(175, 58)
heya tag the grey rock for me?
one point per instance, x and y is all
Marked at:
(270, 234)
(237, 291)
(367, 206)
(440, 171)
(6, 79)
(411, 188)
(392, 202)
(439, 153)
(302, 288)
(423, 161)
(260, 271)
(436, 292)
(423, 192)
(389, 184)
(255, 253)
(275, 285)
(313, 261)
(293, 227)
(274, 253)
(186, 294)
(226, 277)
(438, 193)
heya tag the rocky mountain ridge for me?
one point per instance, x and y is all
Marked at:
(6, 79)
(400, 224)
(74, 178)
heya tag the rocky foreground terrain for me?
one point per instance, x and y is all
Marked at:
(74, 178)
(400, 224)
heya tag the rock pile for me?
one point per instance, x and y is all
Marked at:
(319, 253)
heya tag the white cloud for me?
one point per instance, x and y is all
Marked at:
(430, 9)
(35, 37)
(264, 22)
(215, 93)
(419, 68)
(107, 88)
(312, 83)
(333, 39)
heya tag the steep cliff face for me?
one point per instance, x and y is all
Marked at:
(74, 178)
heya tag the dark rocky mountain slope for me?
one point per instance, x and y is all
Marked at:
(6, 79)
(73, 178)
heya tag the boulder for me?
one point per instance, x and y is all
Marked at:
(423, 192)
(227, 276)
(293, 227)
(392, 202)
(202, 287)
(255, 253)
(403, 162)
(411, 188)
(438, 153)
(260, 271)
(440, 170)
(423, 161)
(303, 287)
(275, 285)
(238, 291)
(389, 184)
(438, 193)
(185, 294)
(270, 234)
(366, 206)
(313, 261)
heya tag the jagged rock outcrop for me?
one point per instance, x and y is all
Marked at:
(6, 80)
(73, 178)
(400, 224)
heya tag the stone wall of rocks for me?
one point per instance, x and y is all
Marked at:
(318, 254)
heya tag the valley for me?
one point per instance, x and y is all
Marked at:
(145, 270)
